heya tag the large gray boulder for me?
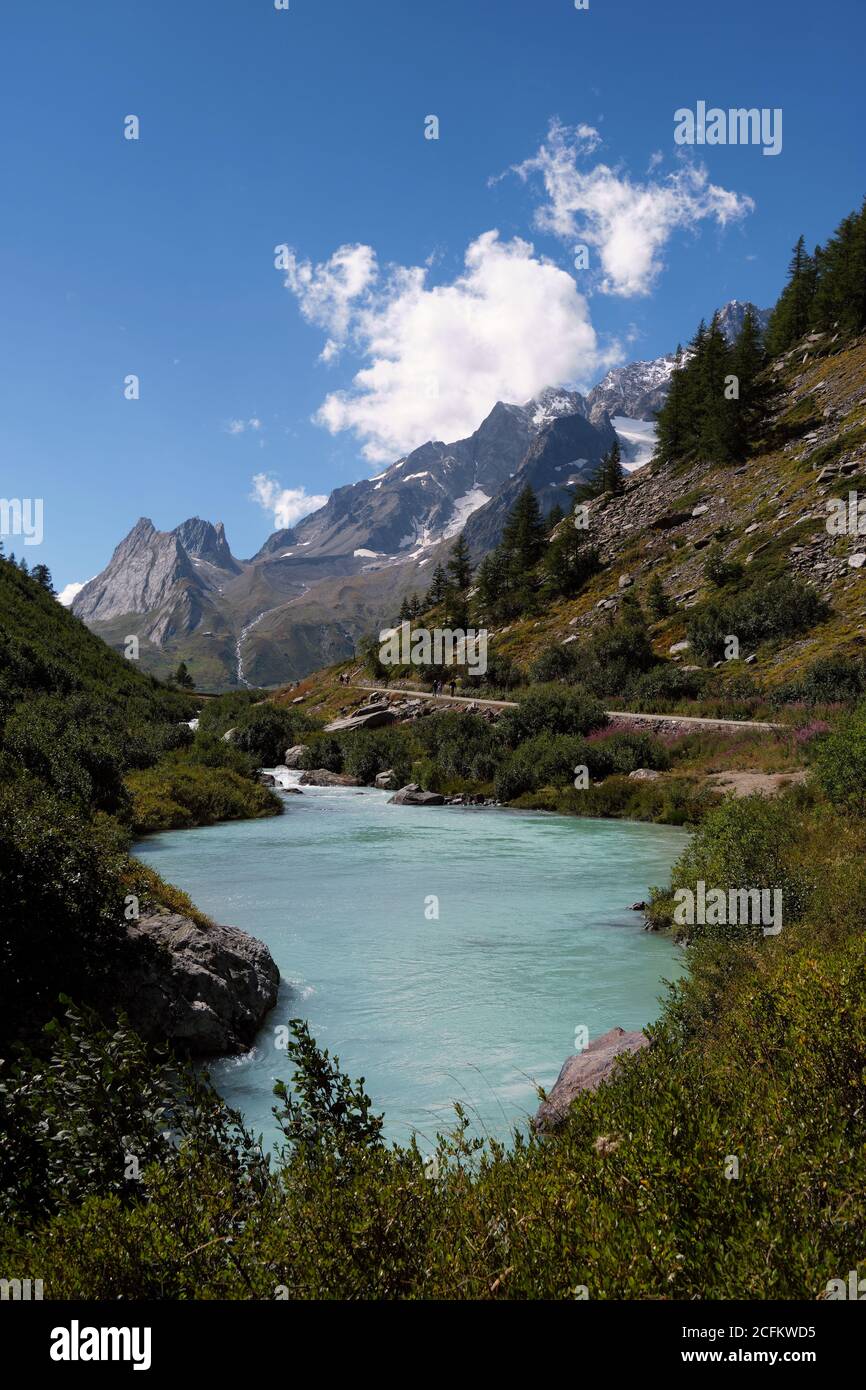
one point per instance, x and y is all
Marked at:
(412, 795)
(387, 781)
(586, 1071)
(206, 990)
(370, 717)
(294, 755)
(320, 777)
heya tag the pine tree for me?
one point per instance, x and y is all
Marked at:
(716, 428)
(613, 473)
(568, 563)
(840, 292)
(415, 606)
(183, 678)
(460, 565)
(792, 315)
(23, 565)
(554, 517)
(42, 575)
(524, 535)
(404, 614)
(657, 600)
(672, 420)
(436, 592)
(747, 362)
(488, 581)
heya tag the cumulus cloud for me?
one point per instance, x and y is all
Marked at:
(288, 504)
(70, 592)
(329, 292)
(438, 357)
(628, 223)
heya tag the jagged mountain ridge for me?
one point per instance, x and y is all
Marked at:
(313, 589)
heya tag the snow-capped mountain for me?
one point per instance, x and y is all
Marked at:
(312, 590)
(429, 495)
(732, 315)
(636, 391)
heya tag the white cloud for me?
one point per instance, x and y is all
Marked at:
(241, 426)
(628, 223)
(69, 592)
(328, 292)
(288, 504)
(439, 357)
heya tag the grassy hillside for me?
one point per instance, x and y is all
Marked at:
(91, 750)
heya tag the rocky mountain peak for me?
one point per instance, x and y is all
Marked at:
(203, 541)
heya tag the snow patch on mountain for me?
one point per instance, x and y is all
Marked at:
(637, 438)
(464, 507)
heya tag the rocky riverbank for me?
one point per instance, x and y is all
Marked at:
(206, 990)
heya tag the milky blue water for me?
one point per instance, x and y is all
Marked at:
(534, 938)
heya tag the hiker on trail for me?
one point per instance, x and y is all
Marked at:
(453, 687)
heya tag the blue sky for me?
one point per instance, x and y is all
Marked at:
(307, 128)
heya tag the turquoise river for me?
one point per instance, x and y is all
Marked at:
(534, 938)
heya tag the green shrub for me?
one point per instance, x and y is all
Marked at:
(61, 904)
(839, 765)
(174, 796)
(781, 608)
(551, 709)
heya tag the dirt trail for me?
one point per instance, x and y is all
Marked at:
(627, 716)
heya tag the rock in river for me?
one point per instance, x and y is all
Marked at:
(321, 777)
(585, 1071)
(413, 796)
(204, 989)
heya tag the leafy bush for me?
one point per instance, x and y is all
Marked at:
(545, 760)
(781, 608)
(267, 730)
(551, 709)
(73, 1123)
(175, 796)
(826, 681)
(367, 752)
(61, 903)
(745, 844)
(839, 765)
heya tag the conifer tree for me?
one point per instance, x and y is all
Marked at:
(747, 362)
(524, 535)
(716, 414)
(612, 471)
(42, 575)
(657, 600)
(792, 315)
(436, 592)
(840, 292)
(183, 678)
(568, 563)
(672, 421)
(460, 565)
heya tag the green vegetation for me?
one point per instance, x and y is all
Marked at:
(759, 1054)
(91, 752)
(174, 796)
(717, 399)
